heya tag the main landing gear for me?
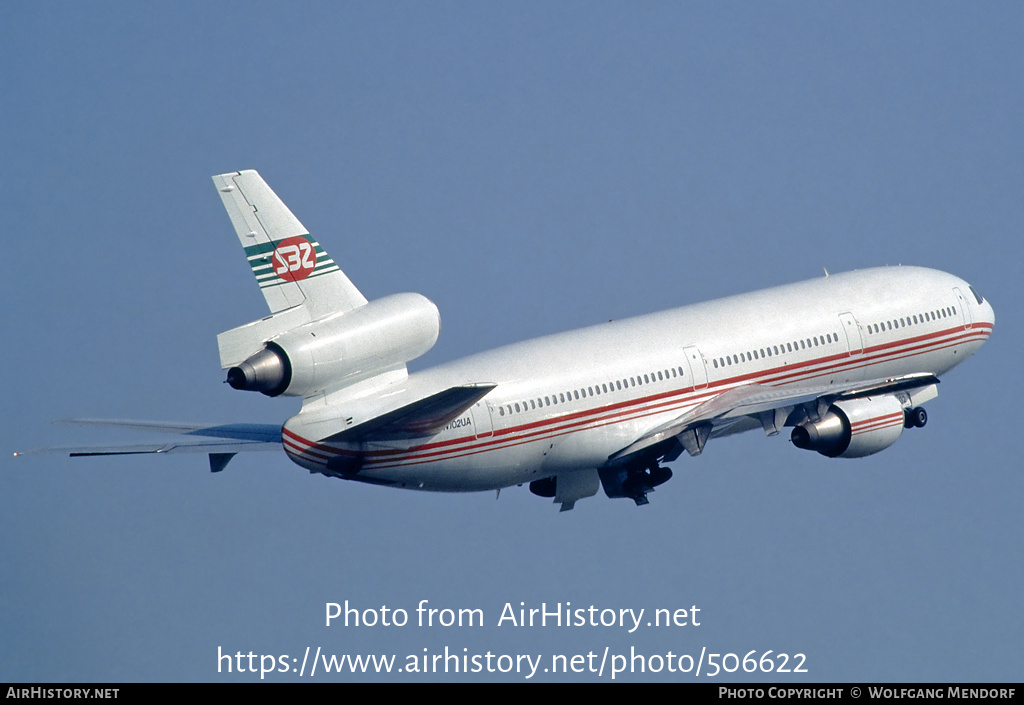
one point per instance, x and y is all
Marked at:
(634, 481)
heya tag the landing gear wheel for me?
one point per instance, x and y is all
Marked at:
(916, 418)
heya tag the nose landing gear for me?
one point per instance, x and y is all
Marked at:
(915, 418)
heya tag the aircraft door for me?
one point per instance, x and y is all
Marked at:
(965, 310)
(854, 341)
(482, 419)
(697, 369)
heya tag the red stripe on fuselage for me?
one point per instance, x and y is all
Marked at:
(641, 407)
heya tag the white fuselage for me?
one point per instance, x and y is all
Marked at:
(567, 402)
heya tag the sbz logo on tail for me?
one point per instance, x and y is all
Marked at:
(294, 259)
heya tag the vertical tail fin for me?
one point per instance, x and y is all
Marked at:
(290, 266)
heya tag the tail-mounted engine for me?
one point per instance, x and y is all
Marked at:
(854, 428)
(342, 348)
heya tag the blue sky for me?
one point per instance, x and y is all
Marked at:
(529, 167)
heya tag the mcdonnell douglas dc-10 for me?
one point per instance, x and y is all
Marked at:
(845, 361)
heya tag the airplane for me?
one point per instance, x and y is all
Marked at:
(845, 361)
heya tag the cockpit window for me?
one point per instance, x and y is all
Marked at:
(976, 294)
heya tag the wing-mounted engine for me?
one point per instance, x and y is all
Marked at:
(854, 428)
(340, 349)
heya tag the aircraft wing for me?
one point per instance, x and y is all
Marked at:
(769, 405)
(235, 438)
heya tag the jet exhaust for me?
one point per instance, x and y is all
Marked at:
(268, 371)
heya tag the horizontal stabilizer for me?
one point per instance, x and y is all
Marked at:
(422, 418)
(236, 438)
(172, 447)
(265, 433)
(159, 447)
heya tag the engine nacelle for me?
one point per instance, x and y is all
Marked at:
(342, 349)
(853, 428)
